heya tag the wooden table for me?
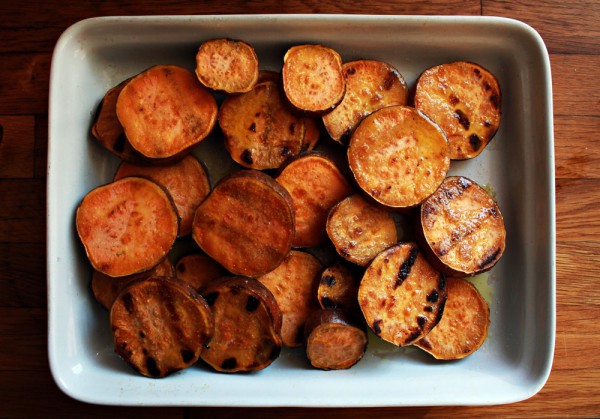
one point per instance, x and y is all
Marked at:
(28, 33)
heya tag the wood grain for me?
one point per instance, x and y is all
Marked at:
(577, 210)
(16, 142)
(576, 87)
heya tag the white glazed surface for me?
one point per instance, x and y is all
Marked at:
(518, 166)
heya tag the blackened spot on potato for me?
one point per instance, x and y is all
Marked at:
(377, 326)
(247, 156)
(286, 152)
(454, 100)
(211, 298)
(425, 343)
(421, 320)
(128, 301)
(462, 119)
(495, 99)
(181, 267)
(252, 127)
(477, 72)
(442, 282)
(327, 302)
(292, 128)
(229, 363)
(492, 257)
(440, 312)
(388, 83)
(433, 296)
(475, 142)
(145, 351)
(152, 367)
(428, 309)
(142, 334)
(187, 355)
(252, 303)
(329, 280)
(486, 86)
(406, 266)
(350, 70)
(119, 145)
(257, 114)
(414, 335)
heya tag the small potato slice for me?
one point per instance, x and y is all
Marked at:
(464, 325)
(294, 284)
(127, 226)
(370, 85)
(186, 181)
(198, 270)
(359, 230)
(106, 288)
(108, 130)
(464, 99)
(315, 184)
(334, 341)
(461, 228)
(260, 130)
(338, 288)
(312, 78)
(227, 65)
(247, 325)
(246, 224)
(401, 295)
(398, 157)
(160, 325)
(166, 112)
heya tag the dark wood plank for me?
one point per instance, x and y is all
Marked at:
(23, 210)
(577, 146)
(22, 275)
(16, 146)
(40, 154)
(577, 210)
(575, 84)
(24, 81)
(565, 26)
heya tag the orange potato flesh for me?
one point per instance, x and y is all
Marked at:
(160, 325)
(198, 270)
(398, 157)
(401, 296)
(127, 226)
(246, 224)
(165, 112)
(464, 100)
(227, 65)
(186, 181)
(370, 85)
(338, 289)
(462, 228)
(359, 230)
(464, 325)
(315, 185)
(312, 78)
(293, 284)
(260, 130)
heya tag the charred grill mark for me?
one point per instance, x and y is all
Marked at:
(486, 86)
(211, 298)
(477, 72)
(377, 326)
(425, 343)
(462, 119)
(187, 355)
(252, 127)
(421, 321)
(442, 282)
(406, 266)
(440, 312)
(350, 71)
(388, 83)
(475, 142)
(329, 280)
(433, 296)
(414, 335)
(453, 100)
(327, 302)
(128, 302)
(495, 99)
(252, 303)
(142, 335)
(229, 364)
(152, 367)
(428, 309)
(247, 156)
(492, 257)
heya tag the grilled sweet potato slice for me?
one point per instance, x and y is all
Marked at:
(294, 284)
(106, 288)
(227, 65)
(108, 130)
(338, 288)
(464, 325)
(186, 181)
(461, 228)
(198, 270)
(334, 340)
(247, 325)
(312, 78)
(160, 325)
(127, 226)
(370, 85)
(464, 99)
(166, 112)
(398, 157)
(315, 184)
(246, 223)
(401, 295)
(260, 130)
(359, 230)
